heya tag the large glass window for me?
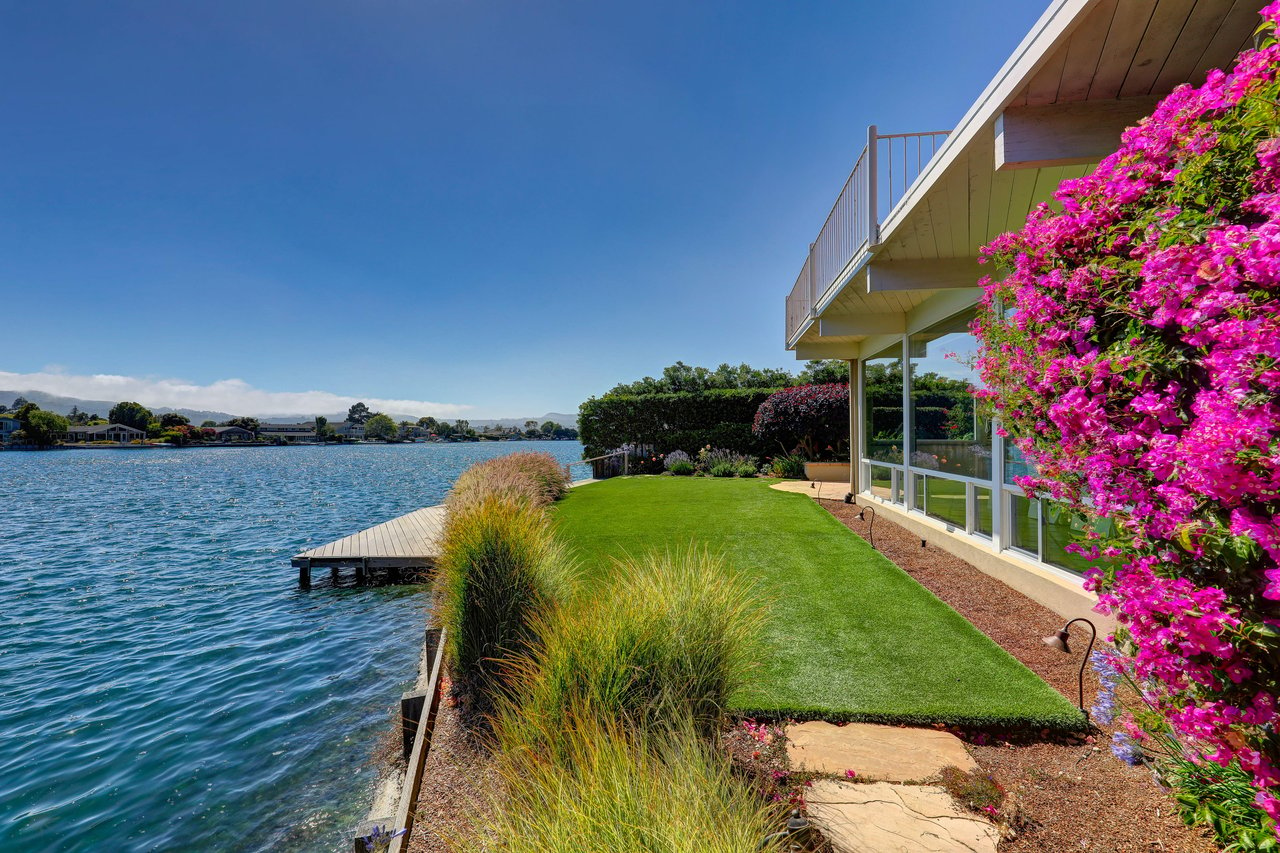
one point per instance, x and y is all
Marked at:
(1024, 526)
(881, 481)
(982, 510)
(945, 500)
(1015, 464)
(882, 405)
(1061, 529)
(947, 432)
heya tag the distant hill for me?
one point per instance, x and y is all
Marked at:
(63, 406)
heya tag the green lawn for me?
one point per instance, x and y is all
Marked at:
(850, 635)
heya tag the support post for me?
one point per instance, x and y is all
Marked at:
(855, 425)
(873, 187)
(304, 574)
(362, 570)
(411, 705)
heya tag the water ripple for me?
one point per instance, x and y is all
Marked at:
(166, 685)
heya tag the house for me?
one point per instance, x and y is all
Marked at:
(231, 434)
(349, 430)
(303, 433)
(8, 426)
(105, 432)
(889, 283)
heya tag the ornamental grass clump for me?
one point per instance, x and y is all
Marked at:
(614, 790)
(673, 635)
(1133, 353)
(789, 466)
(500, 574)
(534, 477)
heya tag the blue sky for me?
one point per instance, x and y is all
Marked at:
(499, 207)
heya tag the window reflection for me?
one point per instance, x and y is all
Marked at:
(882, 405)
(948, 434)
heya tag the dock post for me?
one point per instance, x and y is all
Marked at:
(333, 575)
(362, 570)
(304, 574)
(412, 704)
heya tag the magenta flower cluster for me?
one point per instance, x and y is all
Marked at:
(1132, 352)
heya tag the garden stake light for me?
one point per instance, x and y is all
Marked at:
(1061, 641)
(795, 824)
(862, 516)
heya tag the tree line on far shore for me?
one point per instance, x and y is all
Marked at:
(43, 428)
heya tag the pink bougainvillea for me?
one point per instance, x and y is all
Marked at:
(1132, 351)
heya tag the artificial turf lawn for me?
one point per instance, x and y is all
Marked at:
(850, 636)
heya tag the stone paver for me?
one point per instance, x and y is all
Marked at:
(884, 753)
(883, 818)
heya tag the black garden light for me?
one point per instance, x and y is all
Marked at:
(795, 825)
(862, 516)
(1061, 640)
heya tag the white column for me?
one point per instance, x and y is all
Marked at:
(909, 488)
(855, 424)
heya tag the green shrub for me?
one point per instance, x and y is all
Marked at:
(684, 641)
(747, 470)
(724, 469)
(790, 467)
(1221, 798)
(672, 421)
(616, 790)
(683, 468)
(534, 477)
(501, 571)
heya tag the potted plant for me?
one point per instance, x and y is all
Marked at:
(811, 421)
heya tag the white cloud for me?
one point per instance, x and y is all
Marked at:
(226, 395)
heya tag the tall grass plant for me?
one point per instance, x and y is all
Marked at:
(671, 635)
(615, 789)
(501, 572)
(533, 477)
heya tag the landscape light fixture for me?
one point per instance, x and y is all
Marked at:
(1061, 640)
(796, 824)
(862, 516)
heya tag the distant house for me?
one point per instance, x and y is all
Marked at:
(304, 433)
(414, 431)
(105, 432)
(8, 426)
(230, 434)
(349, 430)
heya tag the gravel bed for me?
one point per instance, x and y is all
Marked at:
(456, 784)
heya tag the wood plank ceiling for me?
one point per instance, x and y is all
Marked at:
(1119, 49)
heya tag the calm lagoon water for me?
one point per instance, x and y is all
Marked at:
(164, 684)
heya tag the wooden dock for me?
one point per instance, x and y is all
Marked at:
(411, 541)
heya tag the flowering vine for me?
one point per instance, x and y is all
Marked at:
(1132, 352)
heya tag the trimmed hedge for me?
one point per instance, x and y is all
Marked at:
(679, 421)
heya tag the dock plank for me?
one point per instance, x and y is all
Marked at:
(412, 540)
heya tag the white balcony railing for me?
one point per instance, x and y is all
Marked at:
(881, 176)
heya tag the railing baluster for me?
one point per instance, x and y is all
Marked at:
(854, 220)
